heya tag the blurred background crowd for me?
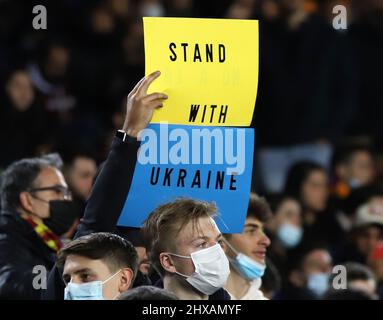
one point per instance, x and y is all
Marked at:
(318, 116)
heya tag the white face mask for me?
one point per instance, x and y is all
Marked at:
(211, 269)
(86, 291)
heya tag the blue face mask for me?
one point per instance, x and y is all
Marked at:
(86, 291)
(289, 235)
(354, 183)
(318, 283)
(247, 267)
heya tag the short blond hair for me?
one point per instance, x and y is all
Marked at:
(165, 222)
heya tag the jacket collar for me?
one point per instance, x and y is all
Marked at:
(21, 231)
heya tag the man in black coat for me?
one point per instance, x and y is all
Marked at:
(36, 211)
(20, 250)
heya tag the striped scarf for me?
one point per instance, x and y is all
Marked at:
(46, 234)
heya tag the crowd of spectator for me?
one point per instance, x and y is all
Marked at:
(319, 140)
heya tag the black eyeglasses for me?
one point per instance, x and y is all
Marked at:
(59, 189)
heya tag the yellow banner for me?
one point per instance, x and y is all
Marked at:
(209, 69)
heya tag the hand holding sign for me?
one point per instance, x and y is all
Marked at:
(140, 105)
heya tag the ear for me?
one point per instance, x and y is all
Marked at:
(167, 263)
(25, 201)
(126, 279)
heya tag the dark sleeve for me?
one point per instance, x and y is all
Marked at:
(55, 285)
(110, 189)
(105, 203)
(16, 277)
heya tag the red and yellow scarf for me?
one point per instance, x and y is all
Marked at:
(46, 234)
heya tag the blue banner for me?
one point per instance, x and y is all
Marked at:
(205, 163)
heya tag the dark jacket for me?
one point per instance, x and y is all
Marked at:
(105, 203)
(21, 249)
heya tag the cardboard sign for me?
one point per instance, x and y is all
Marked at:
(212, 164)
(209, 69)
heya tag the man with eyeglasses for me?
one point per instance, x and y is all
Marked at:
(36, 212)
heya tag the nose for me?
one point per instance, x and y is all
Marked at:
(265, 240)
(213, 243)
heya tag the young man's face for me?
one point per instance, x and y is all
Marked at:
(358, 171)
(81, 175)
(317, 261)
(367, 238)
(79, 269)
(20, 91)
(315, 190)
(252, 242)
(143, 260)
(288, 212)
(361, 168)
(194, 237)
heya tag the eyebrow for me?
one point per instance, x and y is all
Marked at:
(49, 187)
(83, 270)
(206, 238)
(253, 225)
